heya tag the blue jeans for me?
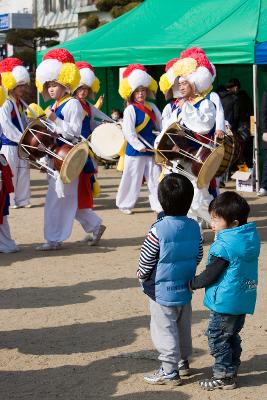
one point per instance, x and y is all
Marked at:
(225, 343)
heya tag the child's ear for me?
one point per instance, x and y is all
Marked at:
(235, 223)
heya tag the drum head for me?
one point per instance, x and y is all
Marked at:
(210, 167)
(107, 140)
(74, 162)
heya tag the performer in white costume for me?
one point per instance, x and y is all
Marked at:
(92, 224)
(13, 121)
(56, 77)
(140, 118)
(7, 245)
(188, 83)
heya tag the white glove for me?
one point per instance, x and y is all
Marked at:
(59, 186)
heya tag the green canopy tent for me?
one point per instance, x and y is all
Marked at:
(156, 31)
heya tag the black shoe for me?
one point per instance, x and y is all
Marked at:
(184, 369)
(218, 383)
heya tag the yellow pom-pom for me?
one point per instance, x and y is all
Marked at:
(34, 110)
(2, 96)
(184, 66)
(95, 86)
(69, 76)
(8, 80)
(125, 89)
(153, 87)
(39, 86)
(96, 188)
(164, 83)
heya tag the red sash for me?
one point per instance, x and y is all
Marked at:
(85, 106)
(85, 195)
(7, 187)
(146, 110)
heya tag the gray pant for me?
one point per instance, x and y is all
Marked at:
(170, 329)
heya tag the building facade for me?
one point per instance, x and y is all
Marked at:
(65, 16)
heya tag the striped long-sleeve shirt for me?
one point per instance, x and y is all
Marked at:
(149, 255)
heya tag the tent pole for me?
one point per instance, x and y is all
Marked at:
(256, 115)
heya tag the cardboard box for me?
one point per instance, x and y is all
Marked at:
(245, 181)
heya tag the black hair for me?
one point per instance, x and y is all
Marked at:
(230, 206)
(175, 193)
(233, 82)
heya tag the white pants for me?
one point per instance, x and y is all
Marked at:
(135, 168)
(60, 213)
(89, 220)
(200, 204)
(21, 176)
(6, 243)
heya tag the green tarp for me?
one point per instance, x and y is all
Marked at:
(158, 30)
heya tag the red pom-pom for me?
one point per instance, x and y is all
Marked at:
(170, 64)
(131, 68)
(61, 55)
(84, 64)
(199, 55)
(7, 64)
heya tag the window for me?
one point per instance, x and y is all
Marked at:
(49, 6)
(64, 5)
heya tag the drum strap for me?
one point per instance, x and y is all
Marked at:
(61, 101)
(147, 109)
(85, 107)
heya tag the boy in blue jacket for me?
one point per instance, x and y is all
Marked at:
(168, 260)
(230, 279)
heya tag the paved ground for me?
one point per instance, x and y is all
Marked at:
(74, 324)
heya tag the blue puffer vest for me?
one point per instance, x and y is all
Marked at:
(179, 239)
(236, 290)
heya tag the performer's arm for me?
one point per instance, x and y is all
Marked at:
(220, 120)
(166, 117)
(70, 128)
(200, 120)
(128, 129)
(158, 123)
(8, 128)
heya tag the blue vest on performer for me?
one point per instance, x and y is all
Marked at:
(60, 115)
(15, 121)
(86, 125)
(146, 133)
(236, 290)
(179, 240)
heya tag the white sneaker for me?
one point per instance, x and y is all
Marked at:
(87, 238)
(49, 246)
(27, 206)
(14, 207)
(126, 211)
(262, 192)
(98, 236)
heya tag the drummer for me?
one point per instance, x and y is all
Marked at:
(187, 83)
(88, 87)
(13, 121)
(140, 118)
(56, 77)
(7, 245)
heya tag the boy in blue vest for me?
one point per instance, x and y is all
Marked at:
(168, 259)
(230, 279)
